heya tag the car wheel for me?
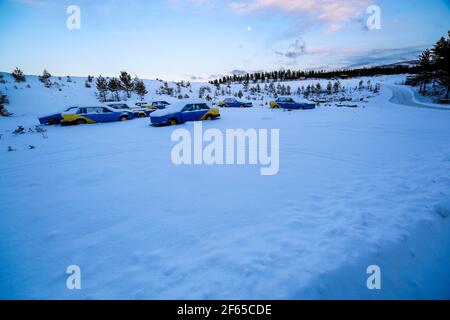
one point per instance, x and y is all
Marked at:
(142, 115)
(123, 118)
(208, 118)
(242, 106)
(80, 121)
(173, 122)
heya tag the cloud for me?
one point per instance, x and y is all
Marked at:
(192, 77)
(313, 58)
(383, 56)
(296, 49)
(333, 13)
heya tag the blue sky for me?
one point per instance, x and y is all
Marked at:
(199, 39)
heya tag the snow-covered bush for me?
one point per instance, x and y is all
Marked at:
(18, 75)
(45, 78)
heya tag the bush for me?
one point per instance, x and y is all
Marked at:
(45, 78)
(18, 75)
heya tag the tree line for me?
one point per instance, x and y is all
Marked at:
(290, 75)
(124, 83)
(105, 86)
(434, 66)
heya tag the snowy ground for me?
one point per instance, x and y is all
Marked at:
(356, 187)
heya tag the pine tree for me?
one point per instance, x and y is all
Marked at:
(329, 88)
(102, 87)
(377, 88)
(18, 75)
(4, 101)
(126, 83)
(318, 88)
(441, 59)
(139, 88)
(337, 86)
(425, 75)
(361, 85)
(114, 85)
(307, 91)
(45, 78)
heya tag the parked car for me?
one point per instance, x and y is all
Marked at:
(153, 106)
(137, 112)
(291, 104)
(234, 103)
(54, 118)
(142, 104)
(84, 115)
(183, 111)
(160, 104)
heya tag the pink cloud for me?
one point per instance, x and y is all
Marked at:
(334, 13)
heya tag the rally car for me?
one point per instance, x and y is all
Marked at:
(234, 103)
(83, 115)
(137, 112)
(155, 105)
(291, 104)
(54, 118)
(184, 111)
(160, 104)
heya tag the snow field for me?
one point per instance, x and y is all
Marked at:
(355, 187)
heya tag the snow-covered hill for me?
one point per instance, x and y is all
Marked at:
(32, 98)
(356, 187)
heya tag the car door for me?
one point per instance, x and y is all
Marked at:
(236, 103)
(200, 110)
(91, 113)
(281, 103)
(188, 113)
(108, 115)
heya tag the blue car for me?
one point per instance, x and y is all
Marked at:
(234, 103)
(182, 112)
(88, 115)
(55, 118)
(291, 104)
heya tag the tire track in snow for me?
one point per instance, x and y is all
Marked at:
(403, 96)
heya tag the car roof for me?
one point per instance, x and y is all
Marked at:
(178, 106)
(286, 97)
